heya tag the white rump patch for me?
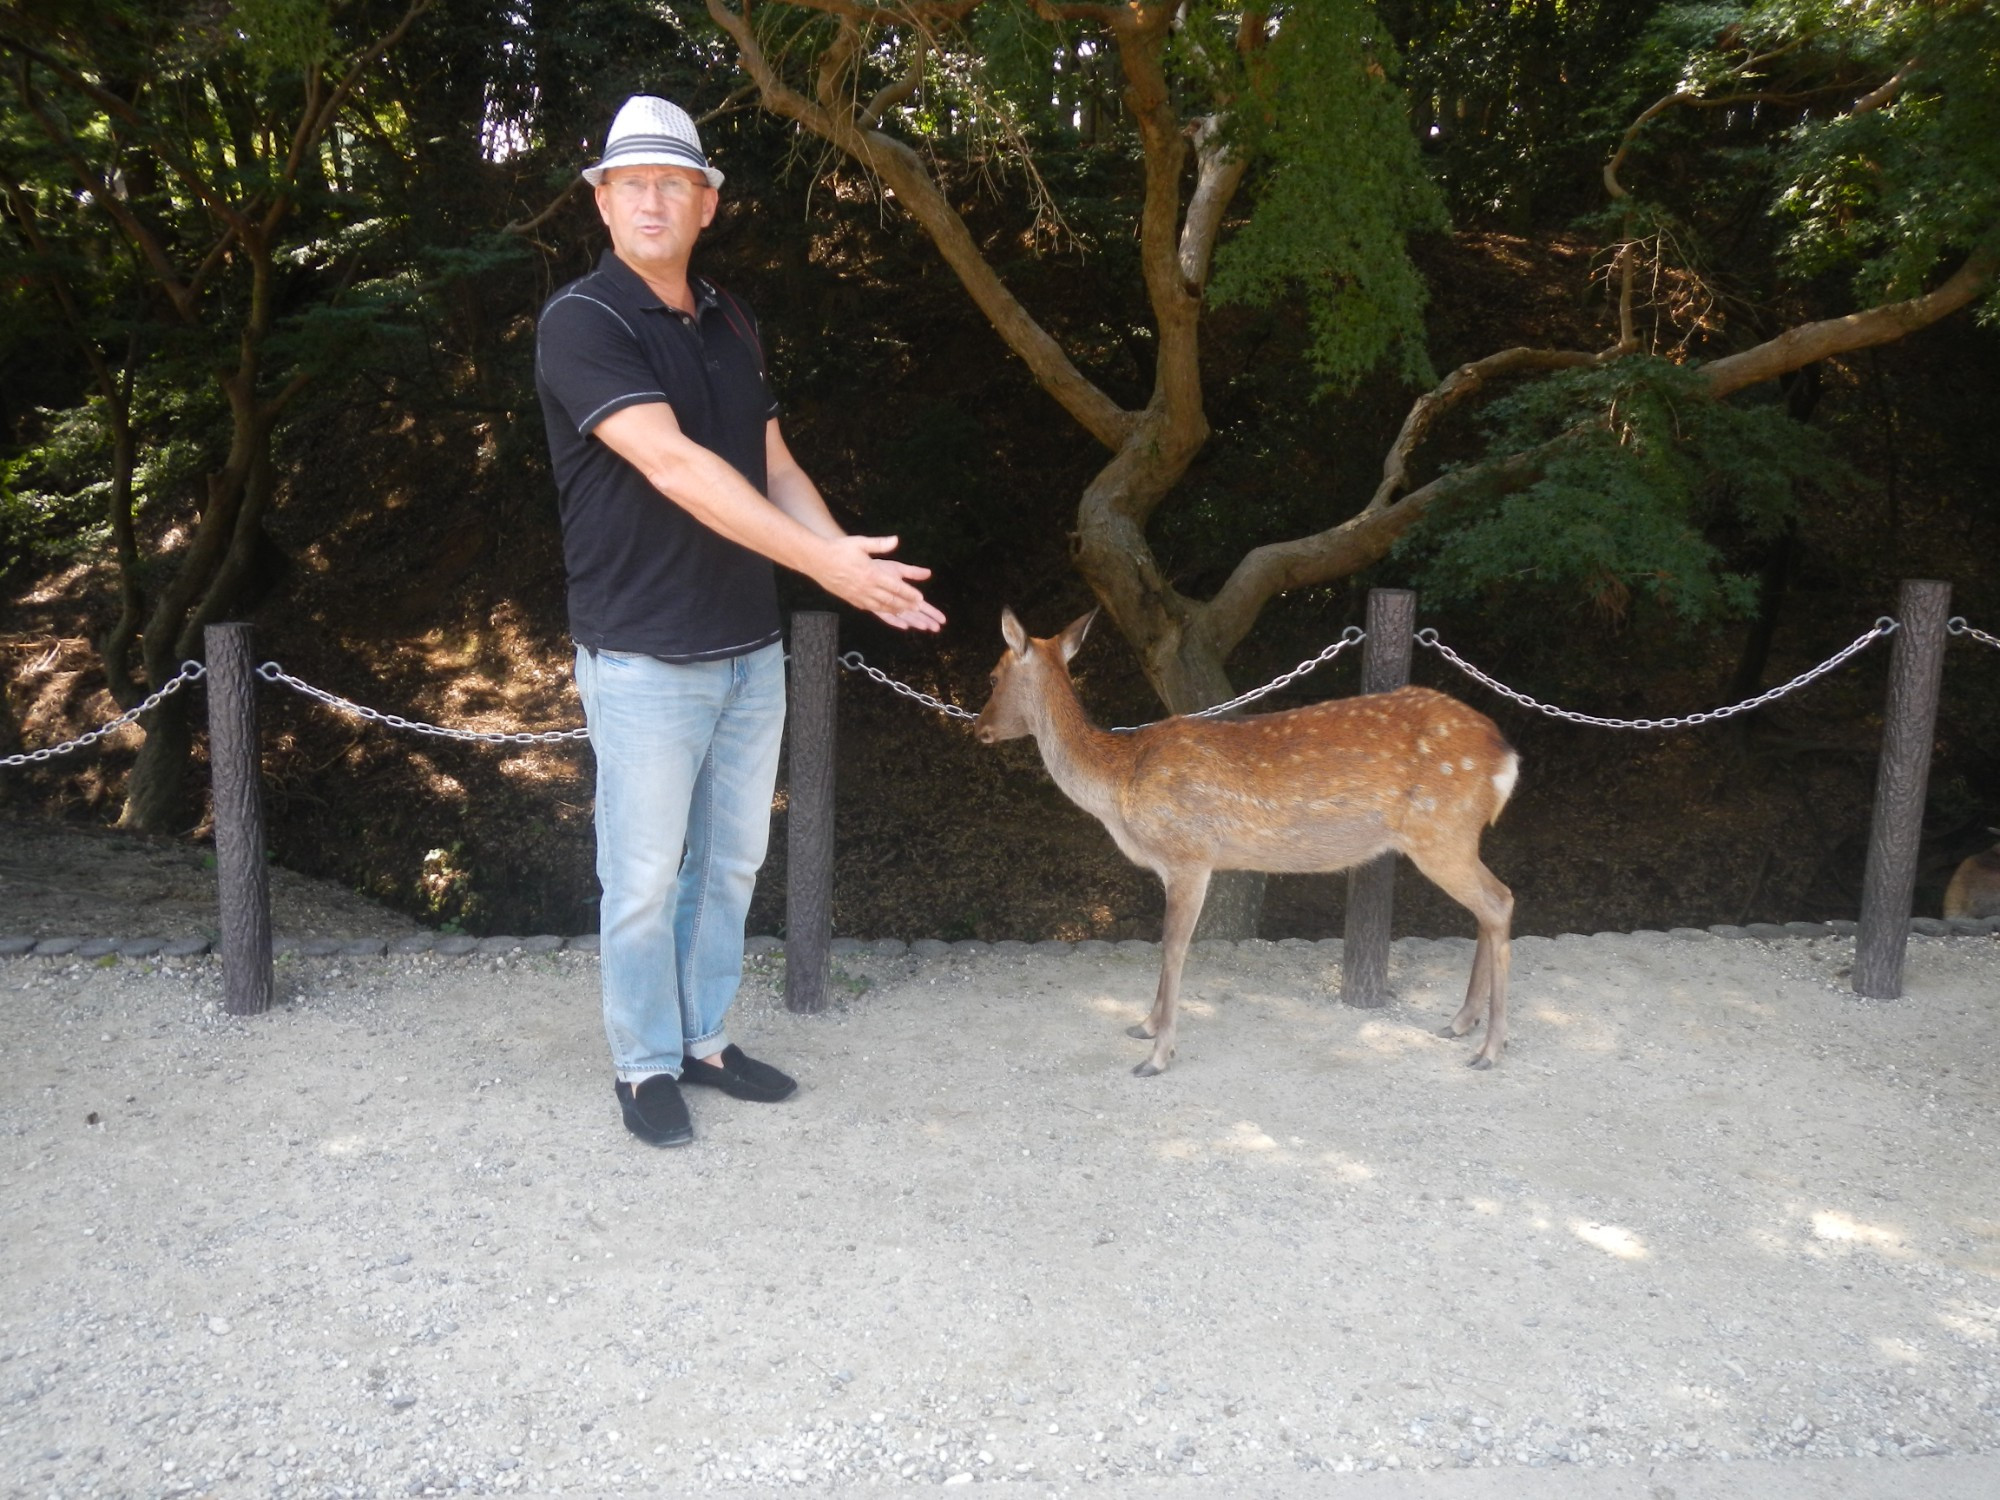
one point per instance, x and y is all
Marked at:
(1504, 779)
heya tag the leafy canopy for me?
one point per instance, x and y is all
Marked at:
(1639, 469)
(1341, 191)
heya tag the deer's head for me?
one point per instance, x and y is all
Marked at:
(1027, 672)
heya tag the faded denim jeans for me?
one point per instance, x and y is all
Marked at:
(687, 756)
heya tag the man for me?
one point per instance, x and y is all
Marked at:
(678, 496)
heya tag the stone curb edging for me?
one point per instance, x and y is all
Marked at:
(460, 945)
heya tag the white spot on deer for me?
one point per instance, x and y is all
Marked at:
(1445, 767)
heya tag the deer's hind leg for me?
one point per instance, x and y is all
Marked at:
(1185, 895)
(1475, 887)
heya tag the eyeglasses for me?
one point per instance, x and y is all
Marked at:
(674, 188)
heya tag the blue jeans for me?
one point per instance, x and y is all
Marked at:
(687, 756)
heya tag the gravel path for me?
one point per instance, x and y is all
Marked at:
(392, 1239)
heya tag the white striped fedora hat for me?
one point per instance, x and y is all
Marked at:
(651, 132)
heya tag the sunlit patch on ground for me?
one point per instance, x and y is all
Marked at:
(1975, 1322)
(1347, 1169)
(1840, 1229)
(1611, 1239)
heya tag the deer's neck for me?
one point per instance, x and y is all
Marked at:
(1089, 764)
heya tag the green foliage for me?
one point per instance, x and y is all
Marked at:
(1882, 195)
(1638, 470)
(53, 494)
(1889, 193)
(1509, 100)
(1342, 193)
(284, 36)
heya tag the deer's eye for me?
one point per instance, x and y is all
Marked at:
(993, 679)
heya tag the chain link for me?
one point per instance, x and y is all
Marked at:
(854, 662)
(1884, 626)
(191, 671)
(270, 671)
(1348, 637)
(1957, 626)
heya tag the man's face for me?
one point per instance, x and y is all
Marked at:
(654, 214)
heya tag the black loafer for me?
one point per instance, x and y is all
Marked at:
(742, 1077)
(655, 1111)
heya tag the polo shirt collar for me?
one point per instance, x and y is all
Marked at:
(633, 286)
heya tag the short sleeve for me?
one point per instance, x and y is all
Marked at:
(587, 359)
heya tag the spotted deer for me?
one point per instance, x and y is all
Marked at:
(1975, 885)
(1320, 788)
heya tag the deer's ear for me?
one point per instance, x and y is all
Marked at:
(1011, 629)
(1072, 638)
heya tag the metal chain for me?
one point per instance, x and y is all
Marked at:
(191, 671)
(853, 662)
(270, 671)
(1348, 637)
(1957, 626)
(1884, 626)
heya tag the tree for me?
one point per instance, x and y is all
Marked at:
(192, 184)
(1596, 469)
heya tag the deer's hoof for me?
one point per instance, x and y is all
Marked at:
(1148, 1069)
(1481, 1062)
(1451, 1031)
(1142, 1031)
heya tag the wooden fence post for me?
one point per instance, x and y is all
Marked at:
(1916, 663)
(809, 745)
(1371, 888)
(236, 791)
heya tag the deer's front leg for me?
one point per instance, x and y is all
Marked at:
(1185, 894)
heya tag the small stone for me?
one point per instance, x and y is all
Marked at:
(840, 947)
(929, 948)
(98, 947)
(364, 948)
(141, 947)
(57, 947)
(763, 943)
(416, 942)
(1053, 948)
(456, 945)
(492, 946)
(1012, 948)
(185, 948)
(218, 1326)
(583, 942)
(888, 947)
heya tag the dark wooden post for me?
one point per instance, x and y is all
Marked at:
(1916, 663)
(1371, 888)
(809, 741)
(236, 789)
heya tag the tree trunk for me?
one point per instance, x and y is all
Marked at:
(156, 793)
(1234, 907)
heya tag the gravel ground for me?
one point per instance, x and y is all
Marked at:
(1711, 1211)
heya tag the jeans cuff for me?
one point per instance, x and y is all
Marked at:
(637, 1076)
(705, 1047)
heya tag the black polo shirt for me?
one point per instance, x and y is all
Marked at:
(644, 575)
